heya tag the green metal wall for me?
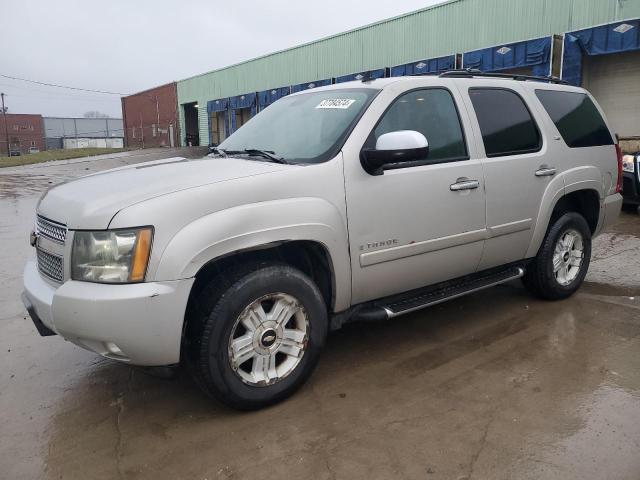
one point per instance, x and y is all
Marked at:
(452, 27)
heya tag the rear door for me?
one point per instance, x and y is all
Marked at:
(518, 165)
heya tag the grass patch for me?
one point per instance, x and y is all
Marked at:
(50, 155)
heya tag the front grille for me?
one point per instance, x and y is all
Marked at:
(52, 230)
(50, 265)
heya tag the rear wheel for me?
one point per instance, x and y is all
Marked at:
(260, 333)
(563, 259)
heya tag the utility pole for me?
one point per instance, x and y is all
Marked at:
(158, 112)
(141, 130)
(6, 129)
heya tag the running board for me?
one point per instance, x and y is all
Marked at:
(426, 297)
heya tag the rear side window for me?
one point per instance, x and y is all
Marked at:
(576, 117)
(505, 122)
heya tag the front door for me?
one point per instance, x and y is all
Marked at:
(413, 226)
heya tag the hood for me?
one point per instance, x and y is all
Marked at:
(92, 201)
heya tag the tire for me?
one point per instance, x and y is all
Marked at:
(240, 351)
(550, 283)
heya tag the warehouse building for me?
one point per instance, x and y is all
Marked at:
(593, 43)
(21, 134)
(151, 118)
(605, 59)
(69, 133)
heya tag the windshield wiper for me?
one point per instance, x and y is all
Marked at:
(268, 154)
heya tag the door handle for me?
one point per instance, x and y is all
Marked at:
(545, 171)
(464, 183)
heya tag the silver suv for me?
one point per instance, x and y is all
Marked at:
(362, 201)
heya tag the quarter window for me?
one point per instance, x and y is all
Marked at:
(505, 122)
(576, 117)
(431, 112)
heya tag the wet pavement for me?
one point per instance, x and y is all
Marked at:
(494, 385)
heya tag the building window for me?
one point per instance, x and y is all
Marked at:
(133, 132)
(31, 128)
(16, 128)
(33, 143)
(154, 129)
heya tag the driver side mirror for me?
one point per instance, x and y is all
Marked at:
(394, 148)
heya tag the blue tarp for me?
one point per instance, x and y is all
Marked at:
(248, 100)
(613, 38)
(307, 86)
(421, 67)
(220, 105)
(267, 97)
(379, 73)
(531, 53)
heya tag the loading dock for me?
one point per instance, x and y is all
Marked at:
(370, 74)
(307, 86)
(530, 57)
(606, 61)
(217, 113)
(191, 127)
(267, 97)
(241, 109)
(423, 67)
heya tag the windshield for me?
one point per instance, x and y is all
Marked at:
(307, 128)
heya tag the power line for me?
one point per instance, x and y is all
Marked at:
(62, 86)
(34, 89)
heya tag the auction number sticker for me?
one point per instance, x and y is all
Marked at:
(340, 103)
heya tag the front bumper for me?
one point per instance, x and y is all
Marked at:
(136, 323)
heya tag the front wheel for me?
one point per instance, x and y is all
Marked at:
(260, 336)
(563, 259)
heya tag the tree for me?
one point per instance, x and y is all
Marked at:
(95, 114)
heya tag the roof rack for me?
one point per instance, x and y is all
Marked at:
(470, 73)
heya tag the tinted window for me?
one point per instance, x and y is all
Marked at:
(431, 112)
(577, 118)
(505, 122)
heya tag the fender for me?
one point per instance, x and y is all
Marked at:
(258, 224)
(581, 178)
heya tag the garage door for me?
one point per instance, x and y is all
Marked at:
(615, 82)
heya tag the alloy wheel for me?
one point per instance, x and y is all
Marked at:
(268, 339)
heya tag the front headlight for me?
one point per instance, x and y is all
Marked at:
(111, 256)
(628, 163)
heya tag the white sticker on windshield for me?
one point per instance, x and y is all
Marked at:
(341, 103)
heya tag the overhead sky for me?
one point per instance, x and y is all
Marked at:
(127, 46)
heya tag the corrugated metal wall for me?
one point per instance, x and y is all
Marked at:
(455, 26)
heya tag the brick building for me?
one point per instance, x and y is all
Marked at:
(151, 117)
(25, 132)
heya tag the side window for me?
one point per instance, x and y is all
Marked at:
(576, 117)
(505, 122)
(431, 112)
